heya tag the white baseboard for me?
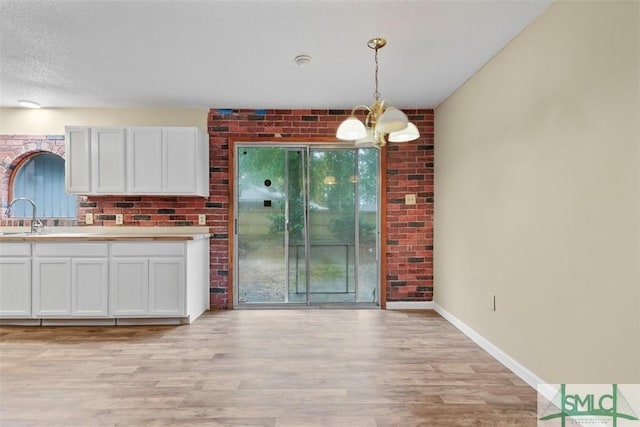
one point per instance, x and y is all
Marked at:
(20, 322)
(131, 321)
(525, 374)
(78, 322)
(410, 305)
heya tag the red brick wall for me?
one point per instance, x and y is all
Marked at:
(409, 166)
(409, 228)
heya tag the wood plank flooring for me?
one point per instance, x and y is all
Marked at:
(281, 368)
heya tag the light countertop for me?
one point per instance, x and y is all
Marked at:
(89, 233)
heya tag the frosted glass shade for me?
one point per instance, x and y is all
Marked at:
(409, 133)
(391, 120)
(367, 142)
(351, 129)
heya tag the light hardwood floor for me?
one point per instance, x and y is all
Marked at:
(259, 368)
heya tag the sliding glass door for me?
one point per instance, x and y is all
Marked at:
(306, 225)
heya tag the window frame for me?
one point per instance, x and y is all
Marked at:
(16, 171)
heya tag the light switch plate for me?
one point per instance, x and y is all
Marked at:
(202, 219)
(409, 199)
(118, 219)
(88, 218)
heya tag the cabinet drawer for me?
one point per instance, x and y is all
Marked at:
(72, 249)
(145, 249)
(15, 249)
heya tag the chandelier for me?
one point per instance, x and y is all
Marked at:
(382, 123)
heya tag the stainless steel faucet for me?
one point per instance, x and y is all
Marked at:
(36, 224)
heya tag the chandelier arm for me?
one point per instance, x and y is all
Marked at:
(360, 107)
(371, 120)
(384, 138)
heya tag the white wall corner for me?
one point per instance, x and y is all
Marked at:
(525, 374)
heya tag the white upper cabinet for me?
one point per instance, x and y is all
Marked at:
(137, 160)
(180, 148)
(108, 157)
(145, 160)
(77, 167)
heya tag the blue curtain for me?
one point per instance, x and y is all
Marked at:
(41, 179)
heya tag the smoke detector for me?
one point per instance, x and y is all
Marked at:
(302, 60)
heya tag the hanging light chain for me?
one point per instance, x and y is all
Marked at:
(375, 44)
(376, 94)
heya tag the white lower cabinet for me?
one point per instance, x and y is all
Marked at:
(15, 280)
(90, 287)
(166, 286)
(121, 281)
(70, 279)
(52, 287)
(129, 288)
(148, 279)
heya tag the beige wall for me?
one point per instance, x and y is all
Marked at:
(537, 196)
(51, 121)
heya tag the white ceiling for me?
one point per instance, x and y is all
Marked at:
(240, 53)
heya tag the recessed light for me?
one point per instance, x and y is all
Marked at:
(28, 104)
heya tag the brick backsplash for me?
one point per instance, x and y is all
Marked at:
(409, 169)
(144, 211)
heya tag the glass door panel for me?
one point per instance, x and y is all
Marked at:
(260, 245)
(367, 209)
(332, 184)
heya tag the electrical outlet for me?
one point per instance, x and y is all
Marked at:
(409, 199)
(492, 302)
(118, 219)
(202, 219)
(88, 219)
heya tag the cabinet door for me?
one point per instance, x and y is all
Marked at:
(180, 146)
(52, 287)
(89, 287)
(15, 287)
(166, 286)
(108, 160)
(77, 164)
(129, 286)
(144, 167)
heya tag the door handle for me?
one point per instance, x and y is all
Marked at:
(288, 226)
